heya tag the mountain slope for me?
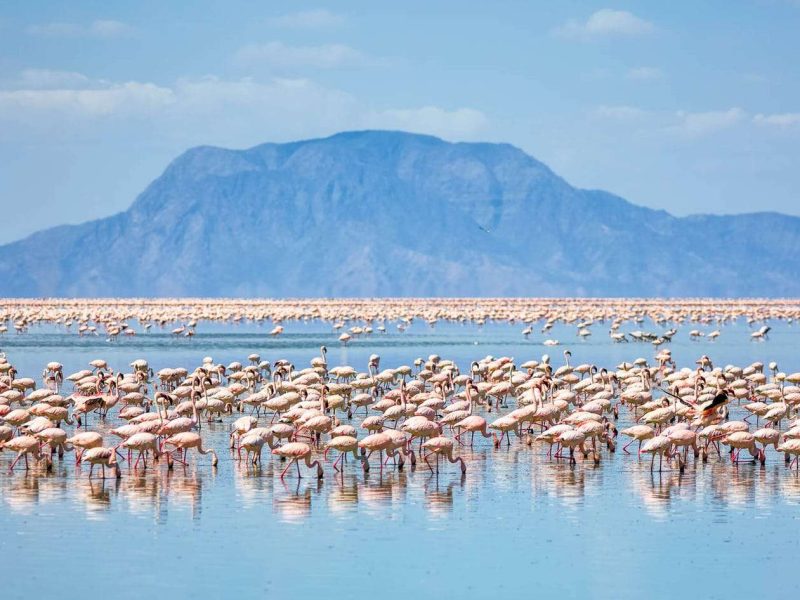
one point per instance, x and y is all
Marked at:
(378, 213)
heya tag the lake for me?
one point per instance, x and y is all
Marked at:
(516, 523)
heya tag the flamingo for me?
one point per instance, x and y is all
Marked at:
(442, 446)
(84, 441)
(143, 442)
(637, 433)
(791, 447)
(376, 442)
(344, 444)
(505, 425)
(187, 440)
(23, 445)
(742, 440)
(105, 457)
(253, 443)
(471, 424)
(659, 445)
(296, 451)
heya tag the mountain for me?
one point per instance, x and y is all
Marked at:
(379, 213)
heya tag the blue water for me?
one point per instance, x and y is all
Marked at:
(517, 523)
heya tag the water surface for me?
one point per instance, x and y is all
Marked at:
(517, 523)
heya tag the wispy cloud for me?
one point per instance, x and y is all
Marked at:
(645, 74)
(278, 54)
(606, 22)
(223, 109)
(778, 119)
(101, 28)
(681, 123)
(623, 113)
(702, 123)
(49, 78)
(459, 122)
(97, 101)
(308, 19)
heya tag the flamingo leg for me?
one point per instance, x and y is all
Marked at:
(287, 467)
(182, 461)
(11, 468)
(425, 458)
(365, 461)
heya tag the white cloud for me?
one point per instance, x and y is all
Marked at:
(778, 120)
(101, 100)
(645, 73)
(237, 112)
(703, 123)
(278, 54)
(101, 28)
(265, 99)
(307, 19)
(606, 22)
(675, 123)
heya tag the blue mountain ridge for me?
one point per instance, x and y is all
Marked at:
(384, 213)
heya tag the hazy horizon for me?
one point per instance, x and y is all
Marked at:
(686, 109)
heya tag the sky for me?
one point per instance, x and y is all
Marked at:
(691, 107)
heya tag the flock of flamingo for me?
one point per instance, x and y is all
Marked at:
(115, 318)
(331, 418)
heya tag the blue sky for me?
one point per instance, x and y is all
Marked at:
(690, 107)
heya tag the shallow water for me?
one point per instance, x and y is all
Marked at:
(516, 523)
